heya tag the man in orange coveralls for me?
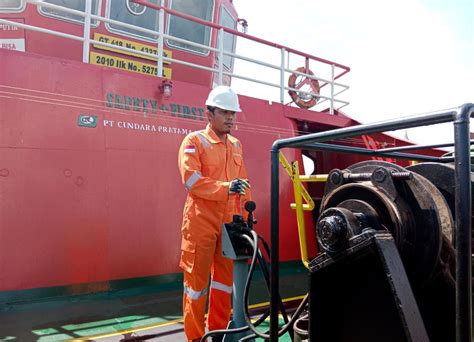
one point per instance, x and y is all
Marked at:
(213, 172)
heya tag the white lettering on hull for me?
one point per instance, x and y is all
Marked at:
(6, 27)
(13, 44)
(146, 127)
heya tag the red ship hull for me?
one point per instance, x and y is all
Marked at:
(83, 204)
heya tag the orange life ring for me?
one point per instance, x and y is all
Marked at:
(303, 100)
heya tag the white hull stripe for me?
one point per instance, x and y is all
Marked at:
(220, 286)
(204, 140)
(194, 295)
(193, 179)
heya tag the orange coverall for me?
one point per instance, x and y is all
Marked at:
(207, 167)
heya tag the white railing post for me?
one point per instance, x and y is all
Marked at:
(282, 76)
(161, 32)
(87, 32)
(220, 79)
(331, 109)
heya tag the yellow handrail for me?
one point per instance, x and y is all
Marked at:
(300, 194)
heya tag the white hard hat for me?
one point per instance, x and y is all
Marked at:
(225, 98)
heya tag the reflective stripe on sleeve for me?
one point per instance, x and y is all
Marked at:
(194, 295)
(193, 179)
(204, 140)
(220, 286)
(236, 145)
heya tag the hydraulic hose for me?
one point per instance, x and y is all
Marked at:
(254, 244)
(298, 311)
(266, 276)
(265, 245)
(257, 255)
(259, 321)
(286, 327)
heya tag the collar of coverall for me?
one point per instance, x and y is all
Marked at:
(213, 138)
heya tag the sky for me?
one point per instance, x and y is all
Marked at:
(406, 57)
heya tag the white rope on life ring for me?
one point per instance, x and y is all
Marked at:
(303, 100)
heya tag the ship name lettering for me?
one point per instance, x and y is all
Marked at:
(147, 127)
(6, 27)
(8, 46)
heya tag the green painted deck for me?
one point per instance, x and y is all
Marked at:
(149, 312)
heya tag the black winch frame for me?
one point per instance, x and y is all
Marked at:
(460, 117)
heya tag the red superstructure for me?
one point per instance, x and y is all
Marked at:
(89, 185)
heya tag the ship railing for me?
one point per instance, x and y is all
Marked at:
(333, 71)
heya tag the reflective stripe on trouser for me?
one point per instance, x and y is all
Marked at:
(196, 284)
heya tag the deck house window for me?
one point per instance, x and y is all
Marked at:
(189, 30)
(133, 14)
(229, 39)
(11, 5)
(79, 5)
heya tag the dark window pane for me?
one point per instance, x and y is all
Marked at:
(142, 17)
(189, 30)
(79, 5)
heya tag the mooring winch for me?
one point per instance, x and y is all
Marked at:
(391, 238)
(386, 267)
(386, 271)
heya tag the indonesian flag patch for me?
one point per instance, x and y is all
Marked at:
(190, 149)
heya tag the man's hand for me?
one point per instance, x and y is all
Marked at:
(238, 186)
